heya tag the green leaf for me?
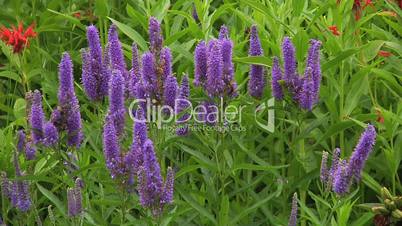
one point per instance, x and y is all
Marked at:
(19, 108)
(11, 75)
(224, 211)
(53, 199)
(131, 33)
(259, 60)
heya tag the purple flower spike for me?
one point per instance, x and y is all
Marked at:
(313, 61)
(257, 79)
(293, 213)
(135, 62)
(170, 92)
(155, 36)
(149, 177)
(289, 60)
(66, 88)
(149, 73)
(89, 81)
(116, 53)
(165, 63)
(141, 94)
(200, 61)
(226, 49)
(135, 72)
(361, 153)
(74, 127)
(139, 137)
(5, 184)
(324, 169)
(72, 211)
(20, 189)
(116, 101)
(334, 166)
(167, 194)
(215, 83)
(307, 95)
(181, 105)
(37, 117)
(223, 33)
(51, 135)
(111, 148)
(195, 14)
(21, 137)
(342, 179)
(276, 77)
(30, 151)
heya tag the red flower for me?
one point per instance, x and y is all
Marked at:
(334, 30)
(77, 14)
(17, 37)
(384, 53)
(368, 3)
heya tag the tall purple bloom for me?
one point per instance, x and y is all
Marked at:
(361, 153)
(334, 166)
(324, 168)
(51, 135)
(342, 179)
(276, 77)
(116, 101)
(307, 95)
(200, 61)
(150, 78)
(150, 180)
(165, 63)
(223, 33)
(20, 192)
(5, 184)
(230, 85)
(289, 60)
(141, 94)
(37, 117)
(94, 78)
(170, 92)
(117, 61)
(181, 105)
(111, 148)
(167, 193)
(30, 150)
(313, 61)
(155, 36)
(139, 137)
(74, 199)
(215, 83)
(293, 213)
(21, 139)
(257, 79)
(70, 116)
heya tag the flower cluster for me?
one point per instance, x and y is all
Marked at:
(304, 90)
(18, 190)
(74, 199)
(95, 74)
(342, 173)
(17, 37)
(214, 68)
(140, 161)
(257, 81)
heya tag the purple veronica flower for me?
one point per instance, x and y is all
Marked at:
(155, 36)
(111, 148)
(276, 77)
(70, 116)
(20, 189)
(149, 73)
(293, 213)
(181, 105)
(324, 169)
(89, 81)
(116, 101)
(74, 199)
(51, 135)
(334, 166)
(170, 92)
(149, 177)
(165, 63)
(223, 33)
(215, 83)
(167, 193)
(289, 60)
(200, 61)
(21, 137)
(313, 61)
(195, 14)
(341, 179)
(94, 79)
(230, 83)
(141, 94)
(5, 185)
(37, 117)
(257, 79)
(139, 138)
(361, 152)
(307, 95)
(117, 61)
(30, 150)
